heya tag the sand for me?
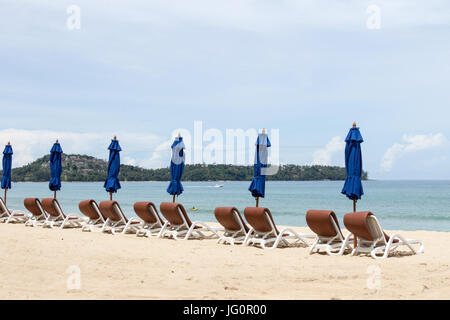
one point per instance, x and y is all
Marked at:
(39, 263)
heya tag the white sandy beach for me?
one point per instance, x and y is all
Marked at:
(35, 264)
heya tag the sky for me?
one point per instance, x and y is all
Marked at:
(84, 71)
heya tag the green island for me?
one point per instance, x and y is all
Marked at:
(87, 168)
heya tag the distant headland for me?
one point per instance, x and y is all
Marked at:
(87, 168)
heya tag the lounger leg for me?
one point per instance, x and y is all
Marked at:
(125, 229)
(391, 246)
(105, 225)
(313, 246)
(163, 229)
(247, 238)
(409, 243)
(345, 245)
(188, 233)
(276, 242)
(63, 223)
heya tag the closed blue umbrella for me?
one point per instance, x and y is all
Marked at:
(7, 164)
(55, 168)
(175, 187)
(112, 183)
(353, 188)
(258, 185)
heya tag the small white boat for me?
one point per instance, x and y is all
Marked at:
(218, 186)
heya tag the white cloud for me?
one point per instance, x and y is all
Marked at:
(264, 16)
(410, 144)
(160, 157)
(29, 145)
(324, 156)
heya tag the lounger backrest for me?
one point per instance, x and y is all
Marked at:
(321, 222)
(3, 208)
(260, 219)
(375, 228)
(34, 206)
(364, 225)
(230, 218)
(147, 211)
(90, 209)
(112, 210)
(51, 206)
(357, 223)
(174, 213)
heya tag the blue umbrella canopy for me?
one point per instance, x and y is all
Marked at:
(55, 167)
(7, 164)
(258, 185)
(112, 183)
(175, 187)
(353, 188)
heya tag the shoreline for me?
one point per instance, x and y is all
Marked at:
(267, 181)
(125, 181)
(39, 264)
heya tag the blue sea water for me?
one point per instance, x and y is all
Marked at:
(405, 205)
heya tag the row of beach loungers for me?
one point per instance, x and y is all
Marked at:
(257, 229)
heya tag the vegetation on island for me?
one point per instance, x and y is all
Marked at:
(87, 168)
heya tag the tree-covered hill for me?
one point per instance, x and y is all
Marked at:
(86, 168)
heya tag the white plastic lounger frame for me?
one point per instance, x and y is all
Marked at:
(12, 216)
(62, 220)
(91, 225)
(234, 236)
(329, 244)
(151, 229)
(184, 231)
(264, 239)
(36, 220)
(380, 246)
(148, 229)
(122, 225)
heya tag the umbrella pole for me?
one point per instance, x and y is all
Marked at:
(257, 202)
(5, 194)
(54, 194)
(110, 196)
(355, 241)
(173, 199)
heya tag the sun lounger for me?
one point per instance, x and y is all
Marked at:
(116, 220)
(57, 218)
(329, 235)
(11, 216)
(235, 228)
(38, 215)
(265, 233)
(180, 226)
(91, 210)
(151, 221)
(372, 239)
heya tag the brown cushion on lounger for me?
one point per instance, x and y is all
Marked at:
(228, 220)
(170, 211)
(87, 208)
(257, 219)
(32, 205)
(107, 209)
(48, 204)
(356, 223)
(144, 211)
(319, 221)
